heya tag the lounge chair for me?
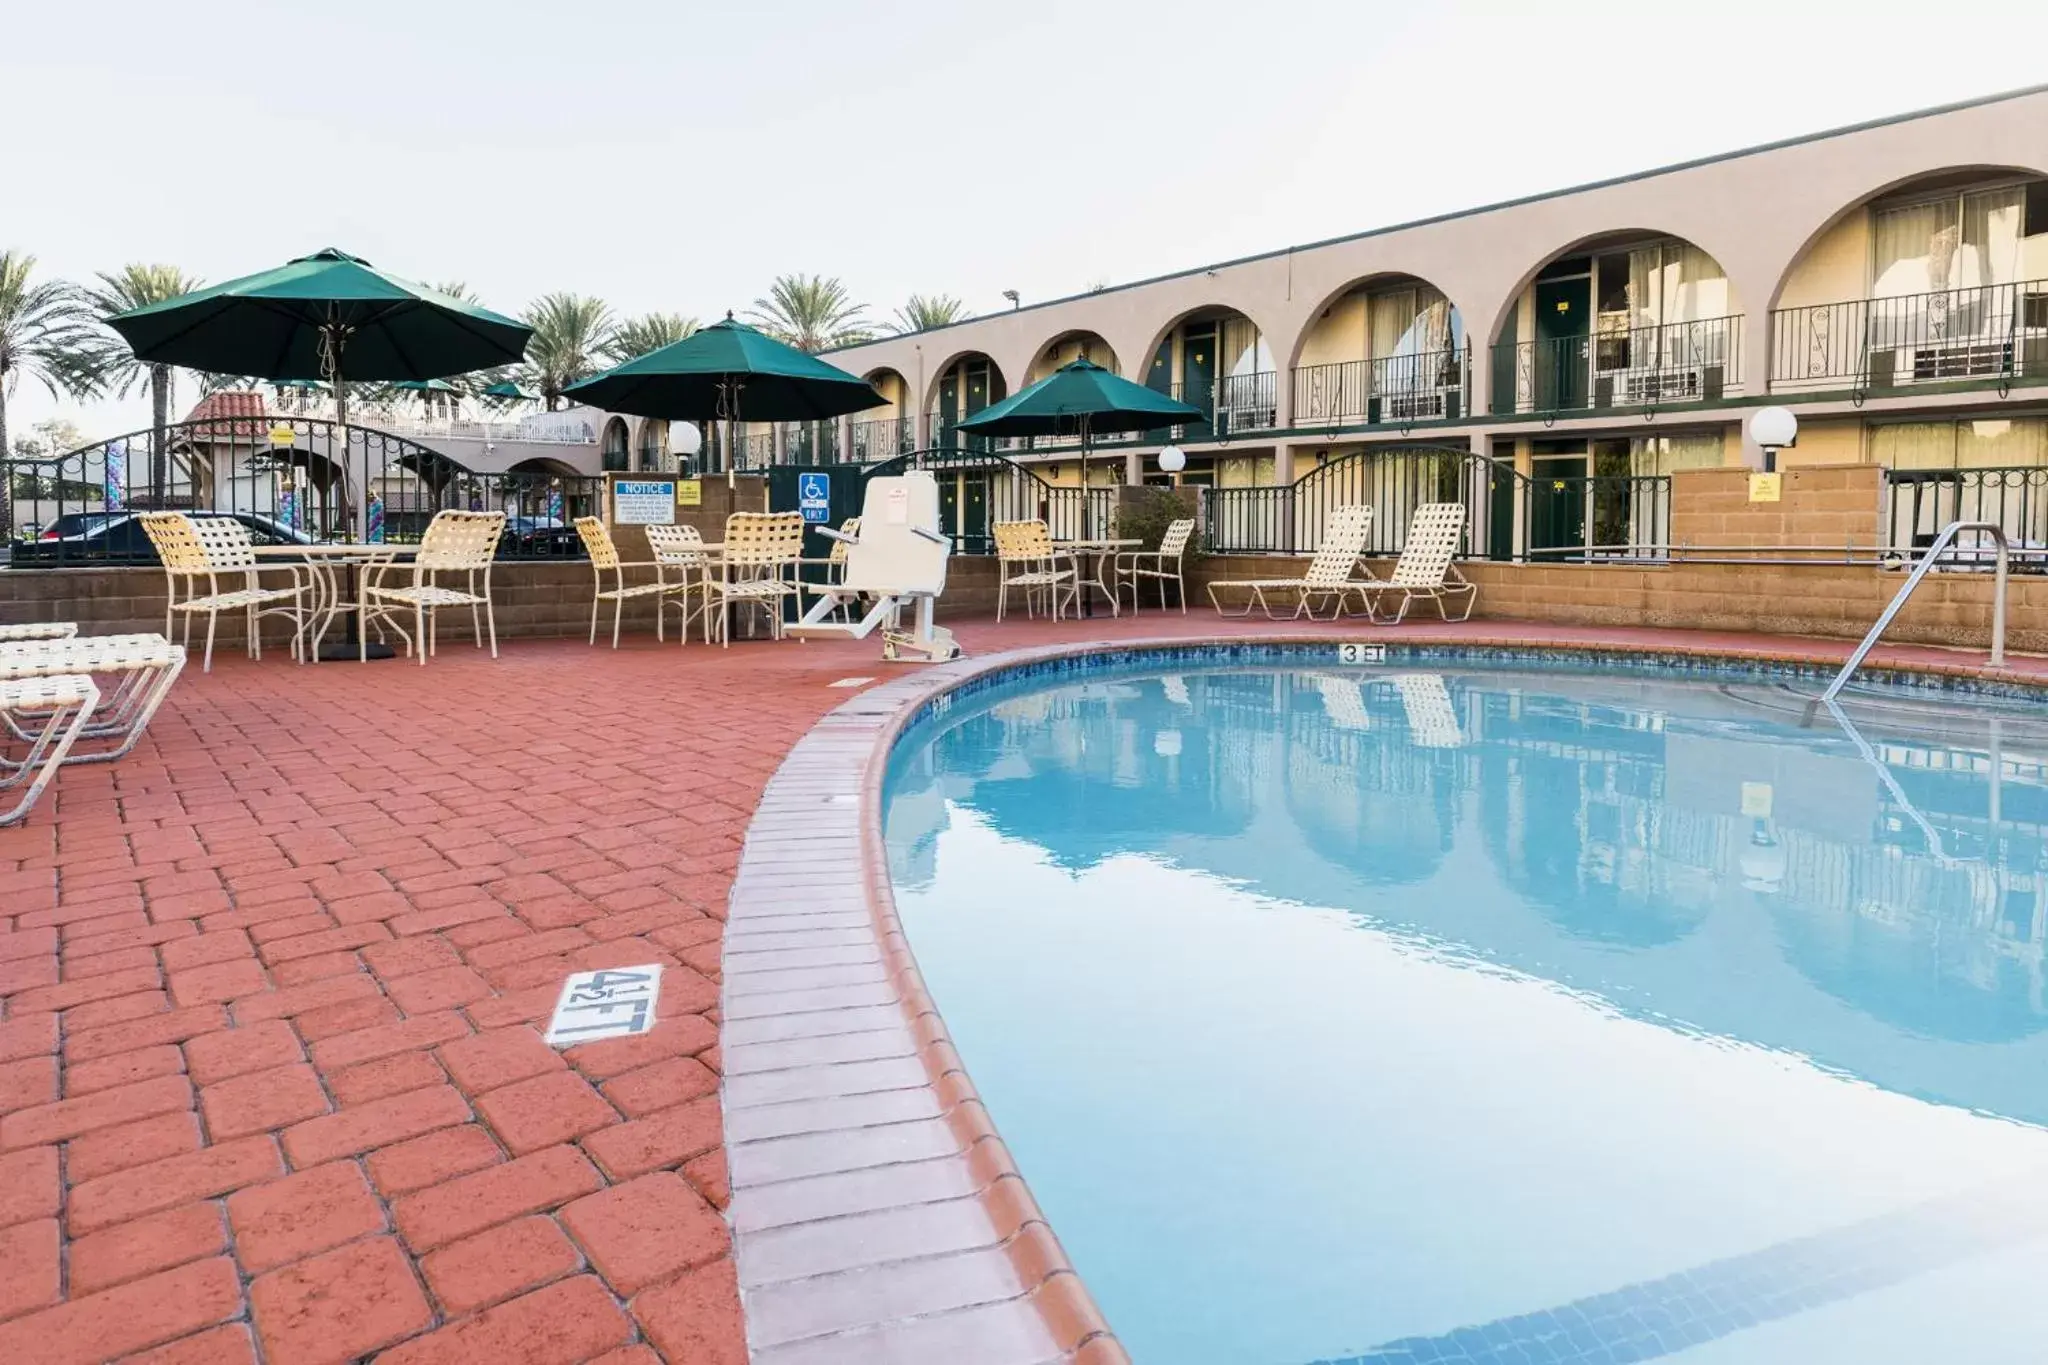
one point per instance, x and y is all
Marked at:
(896, 558)
(1328, 576)
(192, 548)
(38, 630)
(604, 558)
(1026, 558)
(455, 542)
(1162, 565)
(60, 704)
(1425, 568)
(147, 665)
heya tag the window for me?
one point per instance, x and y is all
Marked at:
(1956, 241)
(1971, 443)
(614, 453)
(1416, 320)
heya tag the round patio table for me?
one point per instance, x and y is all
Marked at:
(1102, 551)
(329, 600)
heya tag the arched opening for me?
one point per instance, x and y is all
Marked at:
(968, 383)
(653, 455)
(1626, 320)
(1385, 350)
(612, 457)
(883, 433)
(1218, 360)
(1067, 348)
(1940, 279)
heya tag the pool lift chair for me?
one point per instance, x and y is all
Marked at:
(896, 559)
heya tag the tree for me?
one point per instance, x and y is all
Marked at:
(45, 331)
(924, 312)
(114, 365)
(811, 312)
(635, 337)
(570, 332)
(49, 438)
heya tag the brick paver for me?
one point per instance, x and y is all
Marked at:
(270, 1079)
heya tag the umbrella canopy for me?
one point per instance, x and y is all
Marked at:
(427, 386)
(328, 314)
(508, 389)
(727, 371)
(1080, 398)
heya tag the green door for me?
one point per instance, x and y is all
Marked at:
(1563, 321)
(1557, 508)
(1198, 379)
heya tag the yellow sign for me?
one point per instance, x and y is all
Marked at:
(1766, 487)
(1756, 800)
(281, 435)
(689, 492)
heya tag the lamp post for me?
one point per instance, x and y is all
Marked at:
(1773, 429)
(1172, 460)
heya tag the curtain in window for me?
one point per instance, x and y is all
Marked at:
(1914, 445)
(1906, 242)
(1246, 349)
(1681, 450)
(2002, 442)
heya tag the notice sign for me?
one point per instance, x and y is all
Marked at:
(689, 492)
(814, 497)
(1766, 487)
(644, 502)
(616, 1002)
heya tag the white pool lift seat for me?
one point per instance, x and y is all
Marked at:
(897, 559)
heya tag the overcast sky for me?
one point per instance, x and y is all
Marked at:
(679, 156)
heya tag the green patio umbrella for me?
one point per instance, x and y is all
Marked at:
(1081, 399)
(328, 314)
(426, 386)
(727, 372)
(511, 392)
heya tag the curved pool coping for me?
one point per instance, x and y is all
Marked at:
(875, 1211)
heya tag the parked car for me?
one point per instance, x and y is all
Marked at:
(539, 538)
(118, 538)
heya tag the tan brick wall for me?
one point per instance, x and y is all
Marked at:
(1836, 506)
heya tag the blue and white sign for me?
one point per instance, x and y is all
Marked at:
(814, 497)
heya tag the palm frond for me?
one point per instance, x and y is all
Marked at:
(811, 312)
(570, 332)
(926, 311)
(635, 337)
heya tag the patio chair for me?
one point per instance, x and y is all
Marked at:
(192, 548)
(756, 568)
(680, 550)
(835, 566)
(1328, 575)
(604, 558)
(1163, 565)
(1026, 558)
(147, 665)
(38, 630)
(1425, 568)
(62, 703)
(455, 542)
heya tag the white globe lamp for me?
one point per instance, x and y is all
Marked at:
(1773, 429)
(1173, 459)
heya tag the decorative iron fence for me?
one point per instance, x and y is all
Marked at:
(753, 451)
(1993, 333)
(1508, 515)
(810, 443)
(1395, 390)
(288, 479)
(1678, 362)
(881, 439)
(978, 488)
(1919, 502)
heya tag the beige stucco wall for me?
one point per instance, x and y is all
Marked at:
(1337, 335)
(1825, 443)
(1834, 268)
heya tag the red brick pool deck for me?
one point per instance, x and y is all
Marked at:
(271, 1085)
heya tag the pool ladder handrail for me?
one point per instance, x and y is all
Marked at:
(1920, 571)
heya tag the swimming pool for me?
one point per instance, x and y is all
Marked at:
(1451, 1012)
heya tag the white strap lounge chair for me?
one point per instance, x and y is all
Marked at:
(604, 558)
(193, 548)
(147, 665)
(455, 542)
(38, 630)
(60, 705)
(1162, 565)
(1027, 558)
(896, 559)
(1425, 569)
(1329, 577)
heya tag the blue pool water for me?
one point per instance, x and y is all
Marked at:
(1454, 1013)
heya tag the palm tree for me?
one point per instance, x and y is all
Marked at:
(46, 331)
(114, 364)
(811, 312)
(635, 337)
(570, 333)
(923, 312)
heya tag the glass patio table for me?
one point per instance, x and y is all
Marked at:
(1102, 551)
(331, 600)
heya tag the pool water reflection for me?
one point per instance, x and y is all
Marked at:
(1405, 1015)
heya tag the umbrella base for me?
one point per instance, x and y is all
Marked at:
(347, 651)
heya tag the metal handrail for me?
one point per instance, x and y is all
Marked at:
(1920, 571)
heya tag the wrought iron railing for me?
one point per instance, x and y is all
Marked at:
(1677, 362)
(288, 479)
(1508, 515)
(1920, 502)
(753, 451)
(810, 443)
(881, 438)
(1395, 390)
(1991, 333)
(979, 488)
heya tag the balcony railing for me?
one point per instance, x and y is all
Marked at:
(1992, 333)
(810, 443)
(1677, 362)
(2015, 497)
(1395, 390)
(881, 438)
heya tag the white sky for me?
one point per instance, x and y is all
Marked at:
(679, 156)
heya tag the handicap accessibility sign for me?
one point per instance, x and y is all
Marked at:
(814, 496)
